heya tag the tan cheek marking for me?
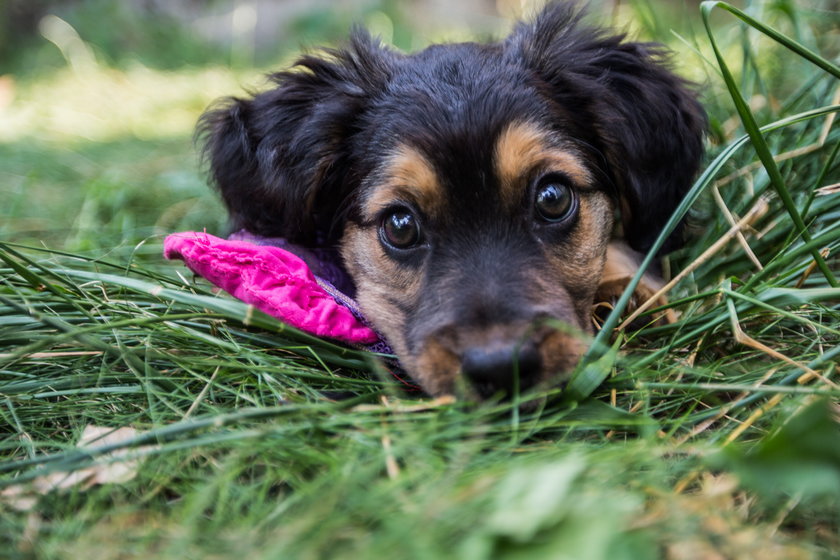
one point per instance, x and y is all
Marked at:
(560, 353)
(406, 174)
(520, 149)
(576, 266)
(382, 286)
(436, 369)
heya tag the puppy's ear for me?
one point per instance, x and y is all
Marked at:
(645, 121)
(281, 159)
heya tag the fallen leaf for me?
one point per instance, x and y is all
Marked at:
(24, 497)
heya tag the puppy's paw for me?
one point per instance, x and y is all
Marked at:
(621, 266)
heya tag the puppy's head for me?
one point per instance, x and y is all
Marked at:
(471, 188)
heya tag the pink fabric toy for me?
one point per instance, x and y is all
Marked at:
(274, 281)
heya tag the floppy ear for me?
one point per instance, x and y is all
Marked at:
(646, 122)
(280, 159)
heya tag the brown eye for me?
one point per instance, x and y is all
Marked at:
(555, 201)
(400, 229)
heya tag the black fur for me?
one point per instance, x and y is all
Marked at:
(281, 159)
(288, 161)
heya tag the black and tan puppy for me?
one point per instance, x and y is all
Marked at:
(472, 189)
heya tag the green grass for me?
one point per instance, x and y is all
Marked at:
(713, 435)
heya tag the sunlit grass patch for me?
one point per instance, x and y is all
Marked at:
(100, 104)
(98, 157)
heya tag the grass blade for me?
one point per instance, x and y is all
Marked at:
(752, 128)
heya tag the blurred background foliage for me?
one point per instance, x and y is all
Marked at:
(99, 98)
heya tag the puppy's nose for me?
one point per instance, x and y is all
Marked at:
(491, 370)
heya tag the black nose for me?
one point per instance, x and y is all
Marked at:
(491, 370)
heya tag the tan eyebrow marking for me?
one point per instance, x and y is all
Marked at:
(407, 174)
(524, 146)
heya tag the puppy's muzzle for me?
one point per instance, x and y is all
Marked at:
(502, 359)
(507, 368)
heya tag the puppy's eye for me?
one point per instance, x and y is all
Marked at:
(400, 229)
(554, 201)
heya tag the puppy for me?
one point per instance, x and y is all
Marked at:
(471, 189)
